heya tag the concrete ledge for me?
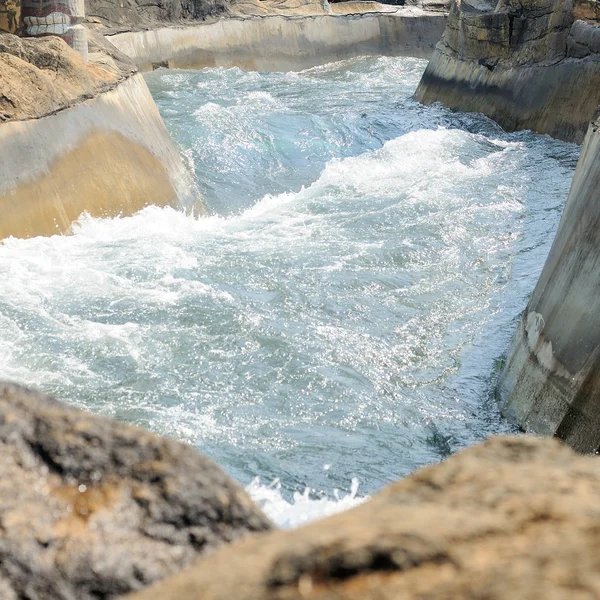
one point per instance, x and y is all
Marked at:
(108, 156)
(284, 43)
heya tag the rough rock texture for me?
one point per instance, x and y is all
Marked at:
(306, 8)
(551, 380)
(588, 10)
(441, 5)
(91, 508)
(140, 14)
(524, 63)
(510, 519)
(41, 76)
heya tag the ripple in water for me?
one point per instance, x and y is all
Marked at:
(341, 313)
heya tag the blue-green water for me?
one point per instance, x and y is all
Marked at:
(342, 310)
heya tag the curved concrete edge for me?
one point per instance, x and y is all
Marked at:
(282, 43)
(108, 156)
(557, 99)
(550, 382)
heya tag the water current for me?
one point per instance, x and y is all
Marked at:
(339, 316)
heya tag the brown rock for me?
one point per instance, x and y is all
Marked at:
(91, 508)
(40, 76)
(513, 518)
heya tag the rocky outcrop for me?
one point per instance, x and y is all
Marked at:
(140, 14)
(78, 137)
(39, 77)
(280, 37)
(91, 508)
(524, 63)
(511, 518)
(551, 380)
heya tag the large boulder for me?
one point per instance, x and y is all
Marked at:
(92, 509)
(512, 518)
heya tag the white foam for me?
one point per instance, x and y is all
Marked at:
(303, 508)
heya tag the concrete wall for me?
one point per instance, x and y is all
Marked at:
(281, 43)
(551, 381)
(108, 156)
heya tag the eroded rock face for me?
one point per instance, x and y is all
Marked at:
(91, 508)
(512, 518)
(524, 63)
(41, 76)
(519, 32)
(136, 14)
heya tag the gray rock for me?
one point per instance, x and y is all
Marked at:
(91, 508)
(140, 14)
(523, 63)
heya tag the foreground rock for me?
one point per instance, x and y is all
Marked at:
(525, 64)
(513, 518)
(91, 508)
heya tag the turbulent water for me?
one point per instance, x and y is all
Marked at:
(338, 318)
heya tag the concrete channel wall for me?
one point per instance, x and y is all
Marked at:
(551, 381)
(284, 43)
(107, 156)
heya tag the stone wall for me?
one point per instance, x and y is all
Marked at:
(526, 65)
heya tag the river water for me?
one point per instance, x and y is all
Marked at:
(339, 317)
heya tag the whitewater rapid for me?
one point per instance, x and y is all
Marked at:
(338, 318)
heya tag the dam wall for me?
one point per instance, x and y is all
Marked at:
(63, 152)
(283, 43)
(527, 66)
(551, 379)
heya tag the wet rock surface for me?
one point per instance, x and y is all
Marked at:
(91, 508)
(512, 518)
